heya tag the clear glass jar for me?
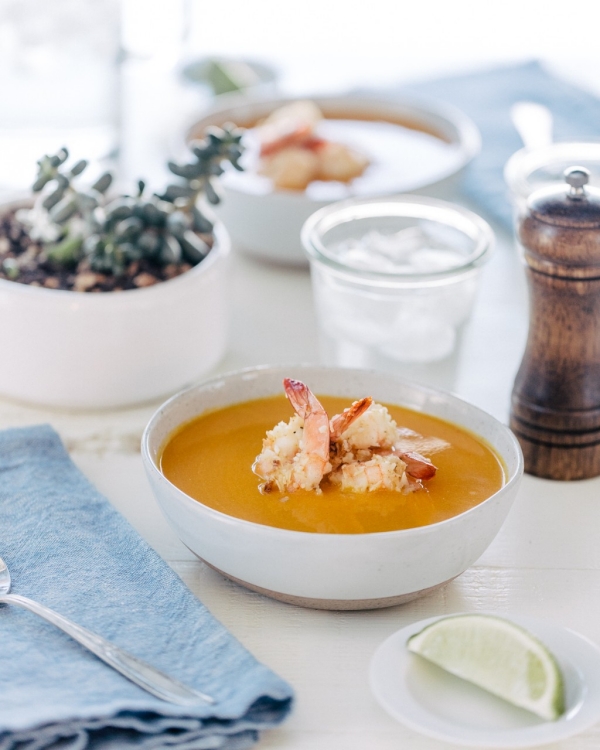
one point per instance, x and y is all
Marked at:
(394, 279)
(59, 78)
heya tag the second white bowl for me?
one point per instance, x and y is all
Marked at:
(79, 350)
(268, 225)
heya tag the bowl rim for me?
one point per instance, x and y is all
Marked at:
(468, 141)
(221, 249)
(405, 206)
(291, 533)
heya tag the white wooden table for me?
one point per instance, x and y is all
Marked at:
(544, 563)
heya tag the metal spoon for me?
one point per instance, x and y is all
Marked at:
(533, 122)
(147, 677)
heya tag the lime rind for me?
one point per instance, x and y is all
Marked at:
(498, 656)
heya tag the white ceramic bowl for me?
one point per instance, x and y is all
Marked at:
(80, 350)
(268, 225)
(331, 571)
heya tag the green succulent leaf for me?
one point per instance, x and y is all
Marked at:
(78, 168)
(200, 222)
(153, 212)
(67, 252)
(120, 208)
(188, 171)
(91, 245)
(129, 229)
(64, 209)
(170, 250)
(88, 201)
(178, 223)
(211, 194)
(53, 198)
(149, 243)
(172, 192)
(41, 182)
(193, 247)
(61, 180)
(103, 182)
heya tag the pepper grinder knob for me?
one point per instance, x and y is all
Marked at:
(576, 177)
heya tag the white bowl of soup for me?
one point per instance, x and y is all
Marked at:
(411, 146)
(331, 549)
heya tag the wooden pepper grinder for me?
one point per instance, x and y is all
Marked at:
(556, 396)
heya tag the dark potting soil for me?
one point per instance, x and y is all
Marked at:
(22, 260)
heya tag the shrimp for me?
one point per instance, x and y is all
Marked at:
(339, 162)
(409, 441)
(340, 422)
(293, 154)
(295, 160)
(281, 444)
(417, 466)
(291, 168)
(290, 125)
(372, 428)
(361, 450)
(295, 455)
(358, 434)
(377, 473)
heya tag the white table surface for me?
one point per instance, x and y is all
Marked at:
(544, 563)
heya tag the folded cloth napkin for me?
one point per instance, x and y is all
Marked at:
(487, 96)
(67, 547)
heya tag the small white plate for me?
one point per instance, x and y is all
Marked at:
(431, 701)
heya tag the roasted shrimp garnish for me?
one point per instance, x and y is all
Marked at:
(290, 125)
(376, 473)
(417, 466)
(362, 434)
(364, 429)
(293, 154)
(340, 422)
(295, 455)
(361, 450)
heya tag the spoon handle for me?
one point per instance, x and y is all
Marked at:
(146, 676)
(534, 123)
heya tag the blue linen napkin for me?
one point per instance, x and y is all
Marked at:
(487, 96)
(68, 548)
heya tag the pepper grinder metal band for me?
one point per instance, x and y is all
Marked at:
(555, 409)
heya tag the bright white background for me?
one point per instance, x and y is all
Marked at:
(60, 82)
(326, 44)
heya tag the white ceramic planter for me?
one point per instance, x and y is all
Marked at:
(332, 571)
(79, 350)
(269, 225)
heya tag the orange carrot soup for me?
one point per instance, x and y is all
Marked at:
(210, 459)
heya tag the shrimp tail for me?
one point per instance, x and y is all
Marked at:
(302, 399)
(417, 466)
(340, 423)
(312, 461)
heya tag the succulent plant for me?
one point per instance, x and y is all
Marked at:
(76, 224)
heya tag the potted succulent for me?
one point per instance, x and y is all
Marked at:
(107, 300)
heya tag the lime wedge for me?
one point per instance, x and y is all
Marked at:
(496, 655)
